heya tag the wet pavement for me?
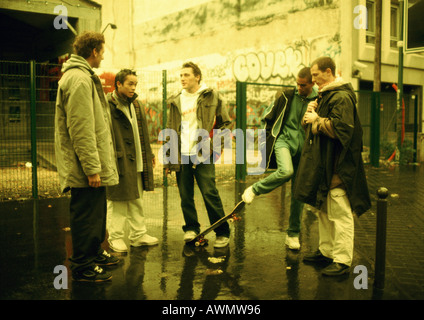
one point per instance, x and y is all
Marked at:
(35, 238)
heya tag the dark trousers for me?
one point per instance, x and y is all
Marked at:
(205, 178)
(88, 225)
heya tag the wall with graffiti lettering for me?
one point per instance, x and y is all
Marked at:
(279, 66)
(283, 65)
(257, 41)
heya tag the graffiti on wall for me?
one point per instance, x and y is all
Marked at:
(264, 66)
(283, 64)
(278, 66)
(317, 3)
(154, 117)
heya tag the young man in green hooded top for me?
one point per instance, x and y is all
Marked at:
(285, 138)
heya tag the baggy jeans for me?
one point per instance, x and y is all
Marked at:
(286, 170)
(205, 178)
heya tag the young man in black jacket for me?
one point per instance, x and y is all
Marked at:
(135, 165)
(331, 175)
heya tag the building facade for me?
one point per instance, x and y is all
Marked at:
(267, 41)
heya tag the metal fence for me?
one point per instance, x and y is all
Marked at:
(27, 106)
(379, 110)
(251, 102)
(27, 95)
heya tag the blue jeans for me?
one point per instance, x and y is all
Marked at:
(286, 169)
(205, 178)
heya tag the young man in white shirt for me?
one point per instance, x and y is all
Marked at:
(195, 108)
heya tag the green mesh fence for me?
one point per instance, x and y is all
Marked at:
(18, 125)
(16, 151)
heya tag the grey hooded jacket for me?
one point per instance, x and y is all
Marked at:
(83, 140)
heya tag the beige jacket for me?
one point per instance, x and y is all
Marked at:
(211, 114)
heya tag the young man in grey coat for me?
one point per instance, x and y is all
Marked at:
(84, 156)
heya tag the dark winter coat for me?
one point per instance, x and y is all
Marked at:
(323, 156)
(127, 188)
(274, 121)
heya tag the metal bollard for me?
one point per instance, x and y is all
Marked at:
(380, 246)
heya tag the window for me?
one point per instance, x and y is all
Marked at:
(394, 23)
(14, 114)
(14, 92)
(370, 34)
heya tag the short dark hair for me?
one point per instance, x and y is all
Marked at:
(195, 68)
(325, 62)
(305, 73)
(86, 42)
(122, 75)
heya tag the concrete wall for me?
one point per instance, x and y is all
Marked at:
(248, 40)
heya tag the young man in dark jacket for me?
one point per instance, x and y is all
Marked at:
(285, 138)
(331, 175)
(197, 108)
(135, 165)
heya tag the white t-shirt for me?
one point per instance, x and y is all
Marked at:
(189, 123)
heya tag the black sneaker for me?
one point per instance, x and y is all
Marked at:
(106, 259)
(317, 257)
(336, 269)
(94, 274)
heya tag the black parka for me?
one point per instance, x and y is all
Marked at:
(323, 156)
(127, 188)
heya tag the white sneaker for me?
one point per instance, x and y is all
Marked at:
(118, 245)
(189, 235)
(248, 195)
(293, 243)
(145, 240)
(221, 242)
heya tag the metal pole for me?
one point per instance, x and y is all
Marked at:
(375, 106)
(380, 246)
(241, 124)
(164, 115)
(33, 129)
(400, 82)
(415, 99)
(375, 130)
(165, 191)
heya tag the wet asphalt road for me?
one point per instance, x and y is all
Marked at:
(35, 237)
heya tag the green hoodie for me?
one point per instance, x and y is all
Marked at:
(83, 140)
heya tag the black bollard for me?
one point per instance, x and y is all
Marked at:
(380, 246)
